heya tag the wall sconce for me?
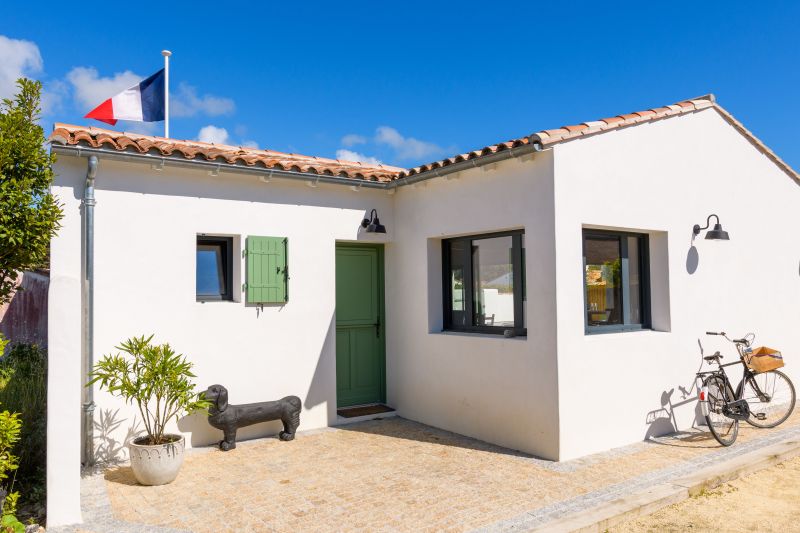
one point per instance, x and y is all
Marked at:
(373, 224)
(716, 234)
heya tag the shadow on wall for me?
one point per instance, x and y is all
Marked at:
(24, 318)
(323, 384)
(662, 421)
(109, 450)
(692, 260)
(200, 433)
(321, 390)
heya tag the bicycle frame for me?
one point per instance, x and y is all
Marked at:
(747, 374)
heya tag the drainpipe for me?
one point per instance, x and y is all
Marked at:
(88, 309)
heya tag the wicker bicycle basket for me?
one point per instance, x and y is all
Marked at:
(763, 359)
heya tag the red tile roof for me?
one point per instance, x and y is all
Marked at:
(67, 134)
(546, 138)
(101, 138)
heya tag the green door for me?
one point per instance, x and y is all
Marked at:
(360, 362)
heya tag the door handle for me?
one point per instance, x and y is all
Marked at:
(378, 327)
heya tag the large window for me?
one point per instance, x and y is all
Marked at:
(484, 285)
(214, 261)
(616, 284)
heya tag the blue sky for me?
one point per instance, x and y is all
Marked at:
(409, 82)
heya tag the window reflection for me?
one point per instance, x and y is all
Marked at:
(493, 279)
(209, 270)
(603, 280)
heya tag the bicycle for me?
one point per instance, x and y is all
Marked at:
(763, 399)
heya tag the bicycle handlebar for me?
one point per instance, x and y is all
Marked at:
(746, 340)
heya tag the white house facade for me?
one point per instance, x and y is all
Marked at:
(544, 294)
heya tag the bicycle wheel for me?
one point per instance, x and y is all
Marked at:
(723, 429)
(770, 395)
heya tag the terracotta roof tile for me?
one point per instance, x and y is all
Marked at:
(100, 138)
(547, 138)
(66, 134)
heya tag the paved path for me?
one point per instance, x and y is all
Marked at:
(391, 475)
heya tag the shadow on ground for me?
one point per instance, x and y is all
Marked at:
(402, 428)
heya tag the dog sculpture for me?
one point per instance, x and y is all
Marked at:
(230, 418)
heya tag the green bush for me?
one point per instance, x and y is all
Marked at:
(154, 378)
(23, 390)
(10, 426)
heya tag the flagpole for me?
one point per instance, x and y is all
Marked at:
(166, 54)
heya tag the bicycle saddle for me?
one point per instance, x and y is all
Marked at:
(713, 356)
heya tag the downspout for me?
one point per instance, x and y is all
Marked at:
(88, 324)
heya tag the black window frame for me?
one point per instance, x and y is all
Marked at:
(226, 246)
(518, 272)
(644, 286)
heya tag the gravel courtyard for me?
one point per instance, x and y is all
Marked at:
(391, 475)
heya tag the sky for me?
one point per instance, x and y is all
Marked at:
(405, 83)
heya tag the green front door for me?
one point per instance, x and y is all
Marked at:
(360, 362)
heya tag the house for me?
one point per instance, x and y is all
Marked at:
(546, 294)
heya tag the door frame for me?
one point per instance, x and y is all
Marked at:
(381, 310)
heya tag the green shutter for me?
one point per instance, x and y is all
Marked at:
(267, 270)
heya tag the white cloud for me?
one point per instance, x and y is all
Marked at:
(405, 147)
(90, 89)
(213, 134)
(352, 139)
(186, 103)
(53, 94)
(249, 144)
(145, 128)
(18, 59)
(348, 155)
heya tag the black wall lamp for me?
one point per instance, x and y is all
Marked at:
(716, 234)
(373, 224)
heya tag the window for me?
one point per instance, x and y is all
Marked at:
(484, 285)
(615, 280)
(214, 266)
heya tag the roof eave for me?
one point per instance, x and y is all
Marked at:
(215, 168)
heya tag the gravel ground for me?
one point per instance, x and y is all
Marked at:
(768, 500)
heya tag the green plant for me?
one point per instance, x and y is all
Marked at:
(29, 213)
(10, 427)
(154, 378)
(23, 389)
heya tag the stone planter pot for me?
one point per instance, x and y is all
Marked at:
(159, 464)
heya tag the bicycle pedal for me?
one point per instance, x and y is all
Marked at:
(760, 416)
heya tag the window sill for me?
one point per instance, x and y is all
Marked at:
(214, 301)
(612, 333)
(478, 335)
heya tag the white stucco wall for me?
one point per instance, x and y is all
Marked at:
(556, 393)
(146, 223)
(499, 390)
(662, 178)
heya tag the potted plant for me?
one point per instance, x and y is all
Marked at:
(159, 382)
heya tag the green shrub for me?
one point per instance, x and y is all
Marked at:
(10, 426)
(23, 390)
(154, 378)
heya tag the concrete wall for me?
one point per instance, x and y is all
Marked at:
(499, 390)
(662, 178)
(146, 227)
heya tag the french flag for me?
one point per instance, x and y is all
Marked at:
(142, 103)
